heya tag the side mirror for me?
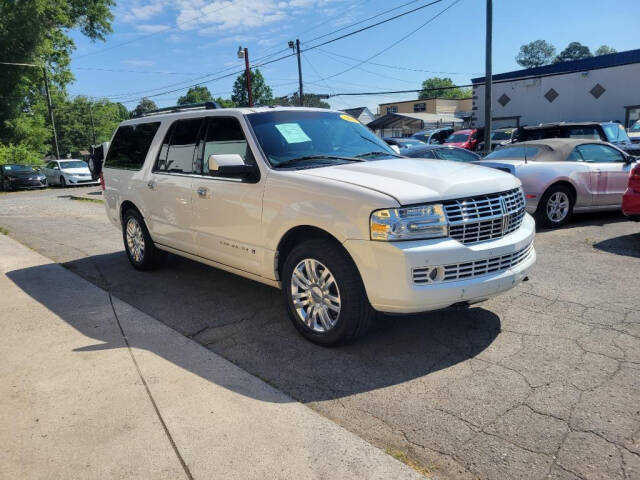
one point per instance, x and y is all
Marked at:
(395, 148)
(229, 165)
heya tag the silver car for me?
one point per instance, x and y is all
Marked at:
(563, 175)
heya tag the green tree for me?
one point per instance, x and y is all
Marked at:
(604, 50)
(535, 54)
(144, 106)
(35, 31)
(309, 100)
(437, 87)
(262, 94)
(198, 94)
(574, 51)
(224, 102)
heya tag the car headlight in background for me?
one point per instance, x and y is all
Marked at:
(409, 223)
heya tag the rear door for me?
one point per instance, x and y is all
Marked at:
(168, 193)
(610, 173)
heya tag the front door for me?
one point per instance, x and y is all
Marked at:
(52, 172)
(227, 211)
(168, 192)
(610, 173)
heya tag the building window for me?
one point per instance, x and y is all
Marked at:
(393, 109)
(419, 107)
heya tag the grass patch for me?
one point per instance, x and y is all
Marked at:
(4, 231)
(83, 199)
(404, 458)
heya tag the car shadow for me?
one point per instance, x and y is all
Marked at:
(246, 323)
(627, 245)
(586, 219)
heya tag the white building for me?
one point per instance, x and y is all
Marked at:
(363, 114)
(603, 88)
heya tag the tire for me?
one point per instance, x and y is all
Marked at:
(141, 250)
(63, 182)
(95, 167)
(315, 315)
(6, 186)
(555, 207)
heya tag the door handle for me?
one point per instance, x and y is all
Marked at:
(597, 171)
(203, 192)
(151, 184)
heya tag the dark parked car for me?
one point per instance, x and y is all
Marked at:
(442, 152)
(611, 132)
(433, 137)
(14, 176)
(499, 138)
(403, 142)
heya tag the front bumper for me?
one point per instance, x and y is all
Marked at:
(631, 204)
(387, 270)
(77, 180)
(28, 183)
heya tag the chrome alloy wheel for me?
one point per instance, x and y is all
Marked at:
(558, 207)
(315, 295)
(135, 240)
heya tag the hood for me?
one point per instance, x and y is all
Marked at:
(416, 180)
(76, 171)
(504, 165)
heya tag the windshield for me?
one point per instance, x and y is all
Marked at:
(410, 143)
(501, 135)
(457, 138)
(73, 164)
(457, 155)
(513, 152)
(635, 127)
(19, 168)
(288, 135)
(615, 132)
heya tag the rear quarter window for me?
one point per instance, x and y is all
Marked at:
(130, 145)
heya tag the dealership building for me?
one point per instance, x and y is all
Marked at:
(602, 88)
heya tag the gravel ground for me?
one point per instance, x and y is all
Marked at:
(541, 382)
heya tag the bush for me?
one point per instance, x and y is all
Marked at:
(19, 154)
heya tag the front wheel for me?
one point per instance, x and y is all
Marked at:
(555, 206)
(325, 296)
(63, 182)
(140, 249)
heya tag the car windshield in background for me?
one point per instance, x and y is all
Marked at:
(73, 164)
(501, 135)
(513, 152)
(615, 132)
(635, 127)
(457, 138)
(19, 168)
(410, 143)
(456, 155)
(289, 135)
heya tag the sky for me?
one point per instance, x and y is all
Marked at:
(161, 45)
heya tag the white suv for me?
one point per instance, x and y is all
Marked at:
(311, 202)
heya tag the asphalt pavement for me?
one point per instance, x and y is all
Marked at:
(541, 382)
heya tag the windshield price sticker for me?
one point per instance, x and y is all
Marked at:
(292, 133)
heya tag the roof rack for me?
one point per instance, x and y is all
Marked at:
(180, 108)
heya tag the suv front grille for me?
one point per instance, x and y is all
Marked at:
(463, 271)
(485, 217)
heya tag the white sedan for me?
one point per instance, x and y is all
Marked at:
(68, 172)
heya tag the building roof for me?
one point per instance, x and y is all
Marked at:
(423, 100)
(593, 63)
(428, 118)
(355, 112)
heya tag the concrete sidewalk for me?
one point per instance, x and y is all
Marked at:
(90, 387)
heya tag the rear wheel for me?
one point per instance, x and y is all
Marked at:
(63, 182)
(141, 250)
(555, 206)
(325, 296)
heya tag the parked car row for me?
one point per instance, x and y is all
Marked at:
(56, 172)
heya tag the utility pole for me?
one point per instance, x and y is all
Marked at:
(296, 47)
(488, 80)
(244, 53)
(93, 128)
(53, 123)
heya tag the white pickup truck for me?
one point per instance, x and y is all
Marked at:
(311, 202)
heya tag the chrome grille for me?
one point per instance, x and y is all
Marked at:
(477, 268)
(485, 217)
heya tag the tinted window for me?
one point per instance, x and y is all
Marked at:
(457, 138)
(600, 154)
(179, 147)
(130, 146)
(224, 136)
(501, 135)
(457, 155)
(590, 133)
(513, 152)
(73, 164)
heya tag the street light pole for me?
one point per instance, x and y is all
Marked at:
(488, 80)
(53, 123)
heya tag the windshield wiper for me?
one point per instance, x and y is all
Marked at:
(318, 157)
(380, 152)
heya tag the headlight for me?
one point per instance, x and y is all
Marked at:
(409, 223)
